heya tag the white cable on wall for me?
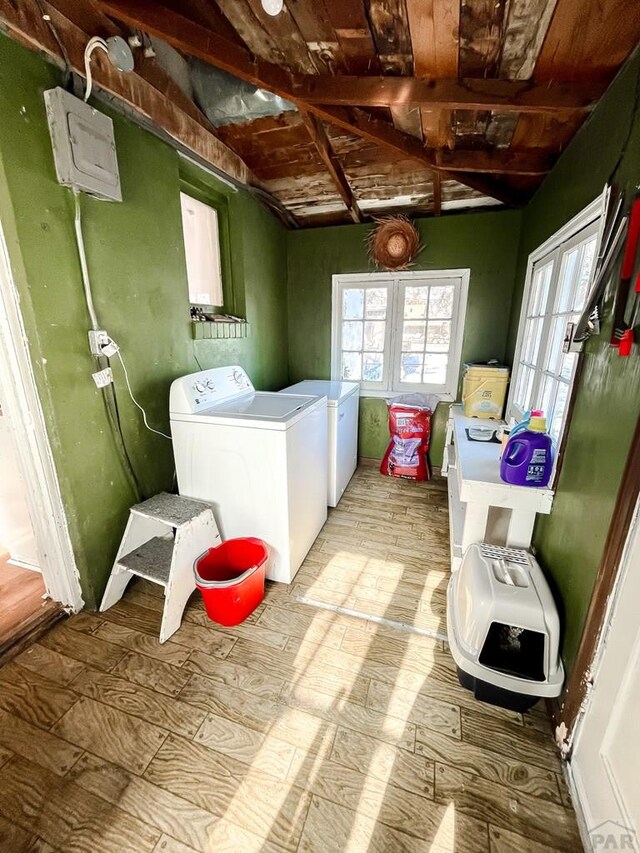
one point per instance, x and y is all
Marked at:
(86, 281)
(144, 414)
(92, 44)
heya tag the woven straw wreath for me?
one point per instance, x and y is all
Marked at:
(394, 244)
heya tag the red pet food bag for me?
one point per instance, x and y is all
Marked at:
(410, 430)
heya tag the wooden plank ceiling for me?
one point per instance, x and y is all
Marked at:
(401, 105)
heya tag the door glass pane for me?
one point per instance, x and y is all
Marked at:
(441, 302)
(527, 386)
(352, 335)
(540, 289)
(568, 364)
(352, 365)
(374, 336)
(435, 368)
(372, 366)
(438, 335)
(411, 367)
(586, 263)
(562, 398)
(413, 336)
(554, 353)
(353, 304)
(376, 303)
(548, 396)
(532, 338)
(518, 394)
(415, 302)
(567, 279)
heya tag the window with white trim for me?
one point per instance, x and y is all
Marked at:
(556, 291)
(202, 252)
(399, 333)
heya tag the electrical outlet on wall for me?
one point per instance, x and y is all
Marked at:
(97, 340)
(110, 349)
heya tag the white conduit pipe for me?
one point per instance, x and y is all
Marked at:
(86, 281)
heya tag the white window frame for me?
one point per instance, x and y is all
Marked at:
(210, 247)
(393, 332)
(551, 251)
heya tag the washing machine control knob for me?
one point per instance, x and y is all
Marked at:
(199, 387)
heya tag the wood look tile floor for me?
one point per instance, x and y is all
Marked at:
(300, 730)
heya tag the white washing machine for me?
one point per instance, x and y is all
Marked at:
(260, 458)
(343, 399)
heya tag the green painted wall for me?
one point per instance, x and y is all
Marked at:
(571, 539)
(137, 265)
(486, 243)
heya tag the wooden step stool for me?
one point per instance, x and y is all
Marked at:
(163, 538)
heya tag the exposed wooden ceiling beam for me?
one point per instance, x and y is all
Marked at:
(320, 139)
(466, 94)
(381, 133)
(503, 162)
(437, 194)
(196, 40)
(434, 29)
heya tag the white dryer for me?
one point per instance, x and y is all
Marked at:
(342, 413)
(260, 458)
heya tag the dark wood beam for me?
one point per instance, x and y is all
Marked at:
(434, 29)
(384, 134)
(467, 94)
(320, 139)
(437, 194)
(495, 162)
(192, 38)
(196, 40)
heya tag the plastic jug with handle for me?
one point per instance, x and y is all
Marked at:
(528, 456)
(526, 420)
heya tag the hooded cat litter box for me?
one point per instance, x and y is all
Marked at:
(503, 628)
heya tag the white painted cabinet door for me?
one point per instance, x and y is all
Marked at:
(606, 758)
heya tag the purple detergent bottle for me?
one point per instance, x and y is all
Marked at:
(528, 457)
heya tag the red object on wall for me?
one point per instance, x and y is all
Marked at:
(231, 579)
(406, 456)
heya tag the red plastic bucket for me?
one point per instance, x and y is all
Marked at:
(231, 579)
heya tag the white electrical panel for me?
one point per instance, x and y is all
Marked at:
(84, 148)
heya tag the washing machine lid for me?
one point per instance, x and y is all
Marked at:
(258, 410)
(263, 406)
(334, 390)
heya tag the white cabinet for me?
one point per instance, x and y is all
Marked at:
(342, 413)
(483, 508)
